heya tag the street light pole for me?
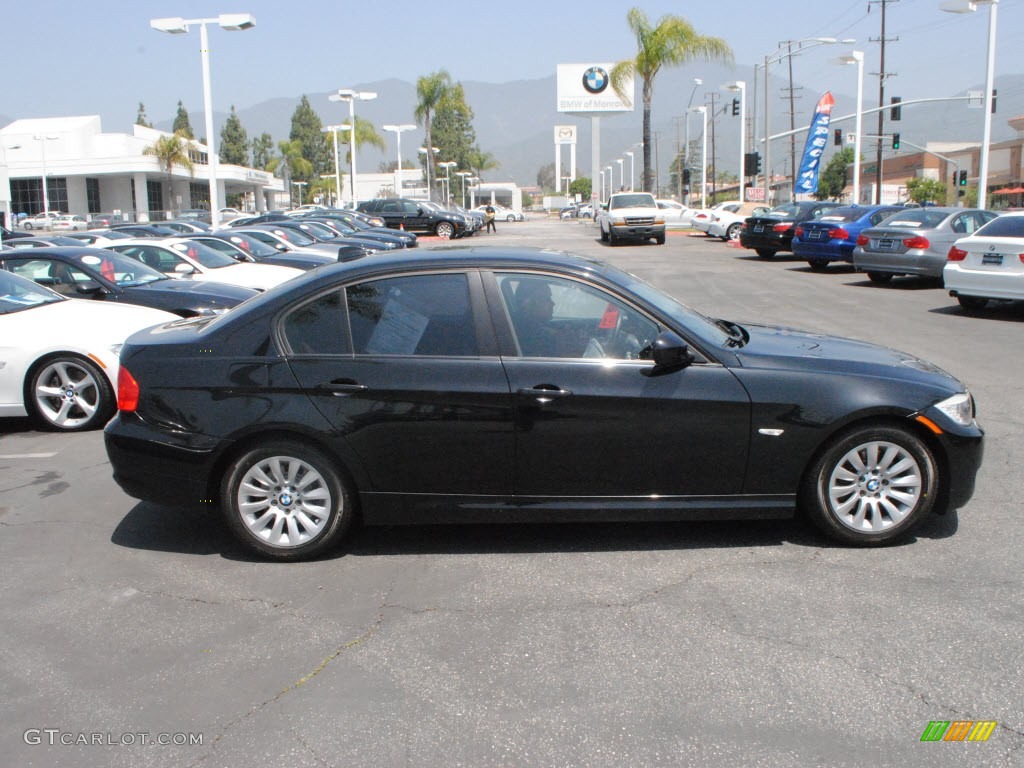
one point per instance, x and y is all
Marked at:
(857, 57)
(463, 174)
(447, 165)
(703, 154)
(300, 185)
(42, 138)
(350, 95)
(337, 166)
(686, 132)
(622, 180)
(397, 130)
(232, 22)
(430, 162)
(632, 170)
(741, 86)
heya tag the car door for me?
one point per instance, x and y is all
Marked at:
(406, 370)
(594, 418)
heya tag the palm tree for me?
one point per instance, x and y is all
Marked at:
(480, 161)
(291, 163)
(672, 42)
(365, 134)
(430, 90)
(169, 151)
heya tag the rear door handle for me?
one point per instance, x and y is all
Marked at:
(544, 393)
(343, 387)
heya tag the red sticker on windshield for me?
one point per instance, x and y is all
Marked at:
(610, 319)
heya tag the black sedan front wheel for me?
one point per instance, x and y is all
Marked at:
(871, 486)
(286, 501)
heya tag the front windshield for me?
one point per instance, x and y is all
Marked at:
(203, 254)
(116, 268)
(319, 230)
(679, 313)
(294, 236)
(251, 245)
(640, 200)
(19, 293)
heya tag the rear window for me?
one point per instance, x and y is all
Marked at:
(1003, 226)
(843, 214)
(919, 219)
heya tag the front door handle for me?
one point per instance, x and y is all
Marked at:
(342, 387)
(544, 393)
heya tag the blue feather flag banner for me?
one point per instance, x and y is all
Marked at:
(814, 147)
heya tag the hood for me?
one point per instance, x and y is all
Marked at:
(257, 276)
(218, 292)
(786, 348)
(89, 323)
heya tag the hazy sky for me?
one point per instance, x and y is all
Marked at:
(72, 58)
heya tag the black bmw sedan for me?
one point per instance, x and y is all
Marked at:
(499, 384)
(102, 275)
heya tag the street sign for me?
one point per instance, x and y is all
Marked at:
(754, 194)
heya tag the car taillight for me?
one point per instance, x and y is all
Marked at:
(782, 227)
(917, 241)
(839, 234)
(799, 232)
(127, 391)
(862, 240)
(956, 254)
(1021, 257)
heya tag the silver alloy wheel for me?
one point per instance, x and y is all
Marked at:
(444, 229)
(733, 233)
(67, 394)
(874, 486)
(284, 501)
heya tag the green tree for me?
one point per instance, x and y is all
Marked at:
(291, 165)
(234, 141)
(672, 42)
(181, 122)
(430, 90)
(262, 151)
(480, 161)
(308, 130)
(582, 187)
(926, 190)
(832, 180)
(452, 127)
(170, 151)
(140, 119)
(366, 133)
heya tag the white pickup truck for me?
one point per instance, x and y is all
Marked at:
(632, 216)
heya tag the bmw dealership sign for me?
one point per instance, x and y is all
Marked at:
(587, 88)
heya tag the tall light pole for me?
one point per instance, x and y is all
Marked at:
(703, 154)
(632, 169)
(741, 86)
(300, 185)
(430, 164)
(397, 130)
(686, 129)
(8, 211)
(337, 165)
(42, 138)
(785, 50)
(463, 174)
(351, 96)
(857, 57)
(448, 165)
(622, 179)
(232, 22)
(969, 6)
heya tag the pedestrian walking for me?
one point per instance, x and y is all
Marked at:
(489, 220)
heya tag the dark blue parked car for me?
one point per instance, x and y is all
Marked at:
(834, 236)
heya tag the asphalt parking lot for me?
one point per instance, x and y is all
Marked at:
(711, 644)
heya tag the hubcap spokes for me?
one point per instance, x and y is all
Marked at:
(875, 486)
(67, 395)
(284, 501)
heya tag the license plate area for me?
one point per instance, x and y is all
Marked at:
(815, 234)
(759, 227)
(993, 259)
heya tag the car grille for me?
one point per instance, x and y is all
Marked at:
(635, 221)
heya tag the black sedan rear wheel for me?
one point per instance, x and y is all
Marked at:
(818, 265)
(872, 485)
(765, 253)
(286, 501)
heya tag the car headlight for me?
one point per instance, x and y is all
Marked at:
(959, 408)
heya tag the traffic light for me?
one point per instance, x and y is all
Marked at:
(894, 112)
(735, 107)
(963, 178)
(839, 137)
(686, 176)
(993, 101)
(895, 141)
(751, 163)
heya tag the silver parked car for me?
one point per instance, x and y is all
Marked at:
(915, 241)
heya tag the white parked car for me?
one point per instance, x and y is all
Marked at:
(70, 223)
(59, 355)
(702, 219)
(676, 214)
(184, 258)
(501, 213)
(988, 264)
(41, 220)
(727, 221)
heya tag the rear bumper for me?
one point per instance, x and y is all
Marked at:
(988, 285)
(909, 263)
(776, 242)
(843, 252)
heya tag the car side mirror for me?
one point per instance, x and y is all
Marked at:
(184, 269)
(419, 211)
(670, 352)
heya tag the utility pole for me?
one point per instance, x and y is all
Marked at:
(882, 75)
(792, 124)
(679, 159)
(714, 165)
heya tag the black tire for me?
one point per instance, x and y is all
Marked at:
(510, 217)
(765, 253)
(28, 225)
(871, 486)
(733, 232)
(972, 303)
(65, 393)
(818, 265)
(604, 236)
(445, 229)
(612, 239)
(660, 239)
(313, 510)
(880, 278)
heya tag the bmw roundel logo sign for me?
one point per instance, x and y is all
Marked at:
(595, 79)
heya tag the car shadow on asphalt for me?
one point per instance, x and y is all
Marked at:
(907, 283)
(203, 532)
(1007, 311)
(16, 425)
